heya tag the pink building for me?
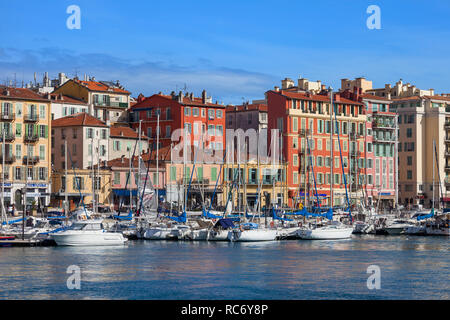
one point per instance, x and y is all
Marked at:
(378, 161)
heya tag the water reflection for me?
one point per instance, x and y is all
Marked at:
(412, 268)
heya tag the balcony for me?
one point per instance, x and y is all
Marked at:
(8, 158)
(447, 139)
(7, 116)
(31, 117)
(447, 124)
(9, 137)
(112, 104)
(304, 132)
(383, 125)
(30, 160)
(31, 138)
(447, 167)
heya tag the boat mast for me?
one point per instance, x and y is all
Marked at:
(129, 174)
(92, 174)
(3, 176)
(157, 160)
(330, 89)
(396, 161)
(139, 164)
(434, 164)
(66, 197)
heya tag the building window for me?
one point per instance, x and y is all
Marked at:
(211, 114)
(409, 175)
(187, 111)
(195, 112)
(219, 114)
(42, 152)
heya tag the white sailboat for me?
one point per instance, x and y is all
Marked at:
(333, 230)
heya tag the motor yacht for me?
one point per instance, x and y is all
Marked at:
(87, 233)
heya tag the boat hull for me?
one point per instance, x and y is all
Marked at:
(252, 235)
(221, 235)
(97, 239)
(325, 233)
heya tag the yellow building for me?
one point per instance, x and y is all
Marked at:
(79, 187)
(264, 180)
(25, 130)
(106, 101)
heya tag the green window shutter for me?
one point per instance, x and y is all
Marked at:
(19, 129)
(46, 131)
(173, 173)
(213, 174)
(200, 174)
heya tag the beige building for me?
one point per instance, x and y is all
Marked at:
(25, 126)
(78, 187)
(422, 120)
(107, 101)
(122, 142)
(400, 90)
(87, 141)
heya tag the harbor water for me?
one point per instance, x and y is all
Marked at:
(410, 268)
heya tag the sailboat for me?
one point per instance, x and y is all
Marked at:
(330, 230)
(252, 232)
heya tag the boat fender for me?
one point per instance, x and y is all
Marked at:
(241, 228)
(299, 224)
(271, 224)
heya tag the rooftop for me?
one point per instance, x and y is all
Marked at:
(20, 93)
(78, 119)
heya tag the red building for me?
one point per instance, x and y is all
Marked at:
(303, 119)
(197, 115)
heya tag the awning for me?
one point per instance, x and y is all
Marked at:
(446, 199)
(124, 192)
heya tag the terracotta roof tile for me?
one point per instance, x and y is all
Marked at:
(20, 93)
(254, 106)
(316, 97)
(58, 98)
(125, 132)
(78, 119)
(98, 86)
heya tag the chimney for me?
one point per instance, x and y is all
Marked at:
(180, 97)
(287, 83)
(173, 95)
(61, 97)
(6, 92)
(276, 89)
(204, 96)
(122, 159)
(191, 96)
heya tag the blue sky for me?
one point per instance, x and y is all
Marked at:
(233, 49)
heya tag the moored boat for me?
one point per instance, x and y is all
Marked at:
(87, 233)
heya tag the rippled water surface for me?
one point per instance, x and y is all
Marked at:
(411, 268)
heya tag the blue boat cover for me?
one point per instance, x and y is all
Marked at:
(209, 215)
(180, 219)
(12, 221)
(426, 216)
(225, 223)
(276, 217)
(128, 217)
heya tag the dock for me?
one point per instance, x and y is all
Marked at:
(26, 243)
